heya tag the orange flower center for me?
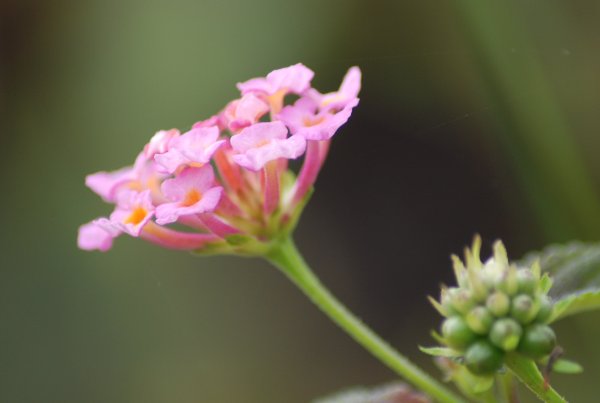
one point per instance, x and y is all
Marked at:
(135, 185)
(136, 216)
(308, 122)
(262, 143)
(276, 100)
(192, 197)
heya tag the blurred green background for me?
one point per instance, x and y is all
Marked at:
(475, 116)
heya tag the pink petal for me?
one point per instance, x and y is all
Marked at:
(347, 93)
(167, 213)
(93, 236)
(194, 147)
(245, 111)
(317, 126)
(105, 184)
(133, 212)
(255, 158)
(200, 179)
(214, 120)
(351, 84)
(171, 160)
(159, 143)
(170, 212)
(257, 135)
(295, 78)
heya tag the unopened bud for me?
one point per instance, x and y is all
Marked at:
(506, 334)
(456, 332)
(498, 303)
(480, 320)
(483, 359)
(524, 309)
(538, 341)
(527, 281)
(546, 308)
(462, 300)
(509, 283)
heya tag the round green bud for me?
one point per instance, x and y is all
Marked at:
(461, 300)
(498, 303)
(506, 334)
(480, 320)
(527, 281)
(456, 332)
(524, 308)
(509, 284)
(538, 341)
(546, 308)
(483, 359)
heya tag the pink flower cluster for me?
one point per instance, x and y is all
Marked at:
(228, 175)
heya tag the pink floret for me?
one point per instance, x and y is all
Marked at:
(192, 192)
(348, 92)
(159, 143)
(95, 236)
(106, 184)
(260, 143)
(134, 210)
(195, 147)
(244, 112)
(305, 119)
(295, 79)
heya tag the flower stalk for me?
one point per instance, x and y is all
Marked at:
(529, 374)
(288, 259)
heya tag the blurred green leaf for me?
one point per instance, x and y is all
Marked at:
(576, 303)
(440, 351)
(575, 270)
(563, 366)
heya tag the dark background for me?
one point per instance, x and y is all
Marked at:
(475, 117)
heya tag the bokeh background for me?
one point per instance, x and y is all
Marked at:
(475, 116)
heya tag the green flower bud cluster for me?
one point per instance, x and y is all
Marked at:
(496, 308)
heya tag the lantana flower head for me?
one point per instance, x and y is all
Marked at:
(226, 179)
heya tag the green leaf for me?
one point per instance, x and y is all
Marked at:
(575, 272)
(576, 303)
(440, 352)
(563, 366)
(473, 386)
(481, 384)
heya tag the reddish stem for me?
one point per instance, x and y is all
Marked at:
(172, 239)
(217, 226)
(270, 181)
(315, 155)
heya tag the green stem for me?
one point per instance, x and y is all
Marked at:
(527, 371)
(286, 257)
(508, 388)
